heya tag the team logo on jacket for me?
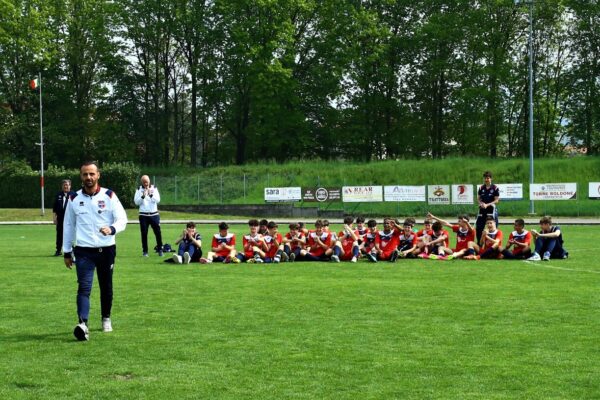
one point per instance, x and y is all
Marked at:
(101, 204)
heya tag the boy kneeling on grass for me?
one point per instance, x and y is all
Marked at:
(548, 242)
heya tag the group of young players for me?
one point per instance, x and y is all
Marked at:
(265, 244)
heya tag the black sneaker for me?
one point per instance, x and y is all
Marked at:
(371, 257)
(57, 253)
(81, 332)
(394, 256)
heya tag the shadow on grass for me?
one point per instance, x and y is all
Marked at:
(56, 337)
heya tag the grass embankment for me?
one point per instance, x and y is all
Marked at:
(245, 184)
(412, 330)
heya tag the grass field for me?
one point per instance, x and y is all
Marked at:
(415, 329)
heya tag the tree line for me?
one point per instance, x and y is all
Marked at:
(214, 82)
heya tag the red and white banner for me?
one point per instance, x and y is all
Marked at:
(462, 194)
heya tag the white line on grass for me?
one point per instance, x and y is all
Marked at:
(538, 264)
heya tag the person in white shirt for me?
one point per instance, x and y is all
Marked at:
(147, 198)
(92, 219)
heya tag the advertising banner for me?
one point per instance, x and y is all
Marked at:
(360, 194)
(553, 191)
(438, 194)
(404, 193)
(462, 194)
(594, 190)
(283, 194)
(321, 194)
(510, 191)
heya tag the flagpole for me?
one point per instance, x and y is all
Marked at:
(41, 145)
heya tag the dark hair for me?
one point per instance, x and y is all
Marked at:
(437, 226)
(325, 222)
(427, 221)
(272, 225)
(487, 174)
(88, 163)
(520, 222)
(360, 220)
(190, 225)
(407, 222)
(546, 220)
(253, 222)
(264, 222)
(490, 218)
(294, 227)
(318, 223)
(300, 225)
(371, 223)
(223, 226)
(348, 220)
(411, 221)
(464, 216)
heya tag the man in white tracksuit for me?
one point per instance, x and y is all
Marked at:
(93, 217)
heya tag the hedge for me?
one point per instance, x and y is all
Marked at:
(21, 185)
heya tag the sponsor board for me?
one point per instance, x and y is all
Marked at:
(462, 194)
(510, 191)
(553, 191)
(283, 194)
(359, 194)
(438, 194)
(321, 194)
(404, 193)
(594, 190)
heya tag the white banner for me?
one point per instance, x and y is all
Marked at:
(553, 191)
(404, 193)
(283, 194)
(462, 194)
(594, 190)
(510, 191)
(438, 194)
(358, 194)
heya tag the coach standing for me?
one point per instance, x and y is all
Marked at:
(147, 198)
(488, 197)
(93, 217)
(58, 212)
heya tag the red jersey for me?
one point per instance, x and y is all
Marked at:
(424, 232)
(369, 241)
(347, 242)
(463, 237)
(315, 249)
(228, 239)
(407, 240)
(361, 233)
(523, 237)
(293, 244)
(249, 242)
(388, 242)
(496, 235)
(272, 243)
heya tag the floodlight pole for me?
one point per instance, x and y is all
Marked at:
(41, 145)
(531, 206)
(530, 67)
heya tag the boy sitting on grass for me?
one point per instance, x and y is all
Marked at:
(223, 247)
(190, 245)
(548, 242)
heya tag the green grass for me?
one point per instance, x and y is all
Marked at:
(245, 184)
(415, 329)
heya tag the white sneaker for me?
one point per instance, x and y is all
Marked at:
(284, 257)
(335, 258)
(81, 332)
(276, 260)
(176, 258)
(186, 258)
(534, 257)
(106, 325)
(353, 259)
